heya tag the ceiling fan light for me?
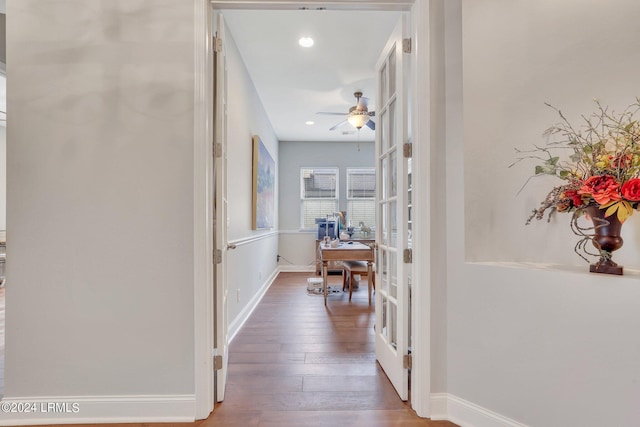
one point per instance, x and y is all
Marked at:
(305, 42)
(358, 120)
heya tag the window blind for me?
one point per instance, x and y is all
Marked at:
(318, 194)
(361, 194)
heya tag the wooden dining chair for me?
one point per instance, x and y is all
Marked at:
(351, 268)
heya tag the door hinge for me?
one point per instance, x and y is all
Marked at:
(217, 150)
(408, 256)
(217, 44)
(217, 363)
(217, 256)
(406, 45)
(406, 361)
(407, 150)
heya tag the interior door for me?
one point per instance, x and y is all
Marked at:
(392, 287)
(221, 350)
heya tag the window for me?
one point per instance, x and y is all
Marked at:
(361, 196)
(318, 194)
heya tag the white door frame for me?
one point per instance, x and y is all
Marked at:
(421, 268)
(202, 210)
(203, 168)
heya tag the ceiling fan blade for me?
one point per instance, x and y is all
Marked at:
(338, 125)
(331, 114)
(371, 125)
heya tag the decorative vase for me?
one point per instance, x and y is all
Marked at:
(606, 239)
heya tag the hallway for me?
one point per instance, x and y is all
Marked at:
(295, 363)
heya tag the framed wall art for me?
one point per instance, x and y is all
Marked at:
(264, 178)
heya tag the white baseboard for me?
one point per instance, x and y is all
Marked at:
(439, 409)
(97, 410)
(297, 268)
(445, 406)
(243, 316)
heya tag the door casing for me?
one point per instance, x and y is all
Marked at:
(420, 110)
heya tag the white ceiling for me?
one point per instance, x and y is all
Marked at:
(294, 83)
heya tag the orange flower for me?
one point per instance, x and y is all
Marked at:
(603, 189)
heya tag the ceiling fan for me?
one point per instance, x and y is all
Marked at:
(358, 115)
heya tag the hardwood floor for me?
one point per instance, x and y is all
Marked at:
(298, 363)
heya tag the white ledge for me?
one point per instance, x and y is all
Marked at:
(578, 269)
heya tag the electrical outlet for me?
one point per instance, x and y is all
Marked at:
(277, 258)
(238, 296)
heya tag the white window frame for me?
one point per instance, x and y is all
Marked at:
(336, 199)
(372, 199)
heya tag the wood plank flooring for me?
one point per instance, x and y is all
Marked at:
(298, 363)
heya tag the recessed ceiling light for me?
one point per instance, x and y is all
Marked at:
(309, 122)
(305, 42)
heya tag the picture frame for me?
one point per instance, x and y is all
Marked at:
(264, 178)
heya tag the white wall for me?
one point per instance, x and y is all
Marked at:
(555, 347)
(518, 56)
(100, 196)
(298, 246)
(252, 265)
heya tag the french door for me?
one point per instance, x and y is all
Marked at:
(220, 339)
(392, 274)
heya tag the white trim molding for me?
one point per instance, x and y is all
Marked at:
(333, 4)
(298, 232)
(298, 268)
(202, 209)
(251, 239)
(97, 409)
(421, 320)
(445, 406)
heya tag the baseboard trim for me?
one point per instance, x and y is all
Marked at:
(243, 316)
(445, 406)
(297, 268)
(97, 410)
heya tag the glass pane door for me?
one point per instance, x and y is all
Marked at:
(392, 310)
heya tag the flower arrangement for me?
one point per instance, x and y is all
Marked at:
(602, 167)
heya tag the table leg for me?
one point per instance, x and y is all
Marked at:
(369, 279)
(325, 272)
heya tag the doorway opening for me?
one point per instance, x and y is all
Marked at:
(283, 90)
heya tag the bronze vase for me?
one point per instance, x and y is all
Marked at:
(606, 239)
